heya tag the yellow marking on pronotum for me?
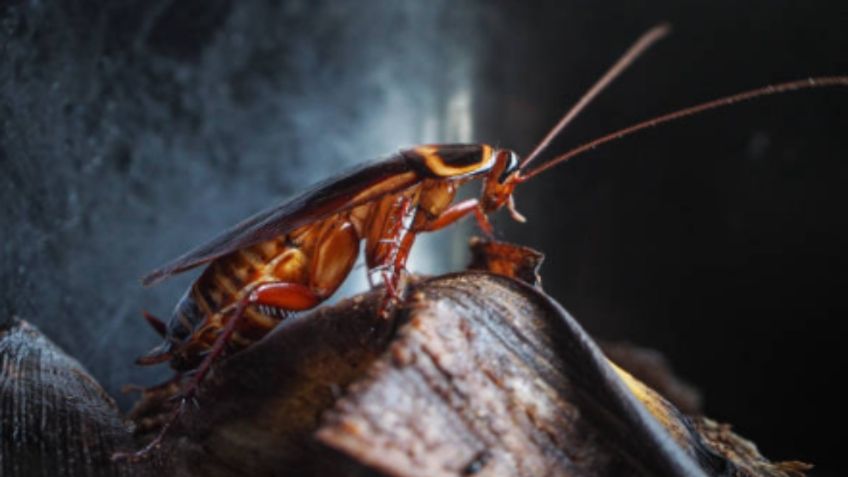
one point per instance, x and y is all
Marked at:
(436, 164)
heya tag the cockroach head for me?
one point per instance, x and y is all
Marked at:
(501, 181)
(510, 162)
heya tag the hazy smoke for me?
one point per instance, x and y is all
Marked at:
(160, 125)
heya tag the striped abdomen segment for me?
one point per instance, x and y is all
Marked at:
(318, 256)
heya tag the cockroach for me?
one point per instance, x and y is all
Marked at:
(292, 257)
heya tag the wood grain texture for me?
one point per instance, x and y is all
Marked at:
(56, 419)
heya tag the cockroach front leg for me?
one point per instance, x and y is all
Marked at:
(457, 212)
(393, 272)
(286, 296)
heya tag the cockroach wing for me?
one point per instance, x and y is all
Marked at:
(349, 189)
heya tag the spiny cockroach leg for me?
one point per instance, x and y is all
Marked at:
(390, 295)
(289, 296)
(279, 294)
(457, 212)
(145, 451)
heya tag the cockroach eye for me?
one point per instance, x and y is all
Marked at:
(511, 166)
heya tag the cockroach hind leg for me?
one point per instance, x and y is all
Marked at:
(155, 393)
(483, 222)
(157, 355)
(147, 451)
(136, 456)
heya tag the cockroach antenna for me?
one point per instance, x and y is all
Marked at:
(641, 45)
(779, 88)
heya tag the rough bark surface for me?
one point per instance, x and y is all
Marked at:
(477, 375)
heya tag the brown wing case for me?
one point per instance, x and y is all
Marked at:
(356, 186)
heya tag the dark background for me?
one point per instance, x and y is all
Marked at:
(132, 130)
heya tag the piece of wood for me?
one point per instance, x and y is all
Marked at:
(55, 420)
(485, 376)
(488, 379)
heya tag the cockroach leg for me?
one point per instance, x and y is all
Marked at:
(391, 296)
(388, 281)
(395, 277)
(155, 356)
(483, 222)
(288, 296)
(145, 451)
(457, 212)
(390, 241)
(404, 240)
(156, 388)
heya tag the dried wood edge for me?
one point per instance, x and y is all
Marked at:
(710, 445)
(650, 443)
(653, 369)
(56, 419)
(667, 457)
